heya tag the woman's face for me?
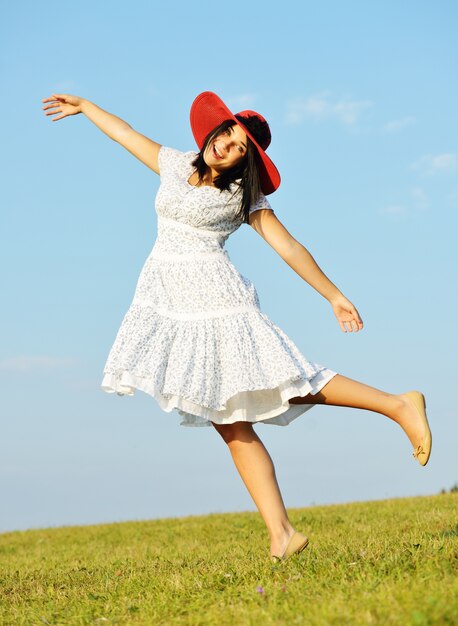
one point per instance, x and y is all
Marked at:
(226, 149)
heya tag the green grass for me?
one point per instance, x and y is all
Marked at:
(387, 562)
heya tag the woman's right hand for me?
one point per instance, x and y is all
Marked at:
(62, 103)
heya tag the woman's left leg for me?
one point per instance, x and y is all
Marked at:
(342, 391)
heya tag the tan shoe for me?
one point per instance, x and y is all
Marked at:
(423, 450)
(296, 544)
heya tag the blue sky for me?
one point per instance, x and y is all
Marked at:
(362, 99)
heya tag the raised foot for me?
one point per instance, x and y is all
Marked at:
(422, 446)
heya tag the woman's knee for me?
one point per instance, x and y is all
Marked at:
(236, 431)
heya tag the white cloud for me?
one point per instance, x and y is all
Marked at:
(321, 105)
(65, 86)
(394, 126)
(434, 163)
(419, 202)
(32, 363)
(241, 102)
(394, 210)
(420, 198)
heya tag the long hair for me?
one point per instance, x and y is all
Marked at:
(245, 174)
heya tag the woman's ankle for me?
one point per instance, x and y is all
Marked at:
(280, 531)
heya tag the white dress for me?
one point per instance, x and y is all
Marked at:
(194, 337)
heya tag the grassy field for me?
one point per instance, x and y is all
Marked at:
(387, 562)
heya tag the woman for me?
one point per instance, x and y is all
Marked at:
(194, 336)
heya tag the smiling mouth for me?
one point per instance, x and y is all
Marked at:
(216, 152)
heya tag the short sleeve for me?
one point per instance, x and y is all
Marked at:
(168, 159)
(261, 203)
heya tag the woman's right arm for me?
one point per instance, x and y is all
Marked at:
(144, 149)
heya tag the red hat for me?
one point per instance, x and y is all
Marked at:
(208, 111)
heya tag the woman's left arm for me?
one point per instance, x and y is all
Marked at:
(266, 224)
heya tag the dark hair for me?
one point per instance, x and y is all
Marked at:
(246, 170)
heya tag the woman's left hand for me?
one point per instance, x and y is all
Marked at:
(347, 315)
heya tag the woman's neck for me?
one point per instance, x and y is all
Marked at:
(206, 180)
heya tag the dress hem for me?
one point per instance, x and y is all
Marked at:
(265, 405)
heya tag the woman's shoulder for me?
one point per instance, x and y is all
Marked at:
(261, 203)
(171, 157)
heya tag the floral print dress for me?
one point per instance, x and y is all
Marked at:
(194, 336)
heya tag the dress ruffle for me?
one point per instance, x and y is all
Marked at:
(265, 368)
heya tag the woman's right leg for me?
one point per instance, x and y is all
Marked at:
(257, 471)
